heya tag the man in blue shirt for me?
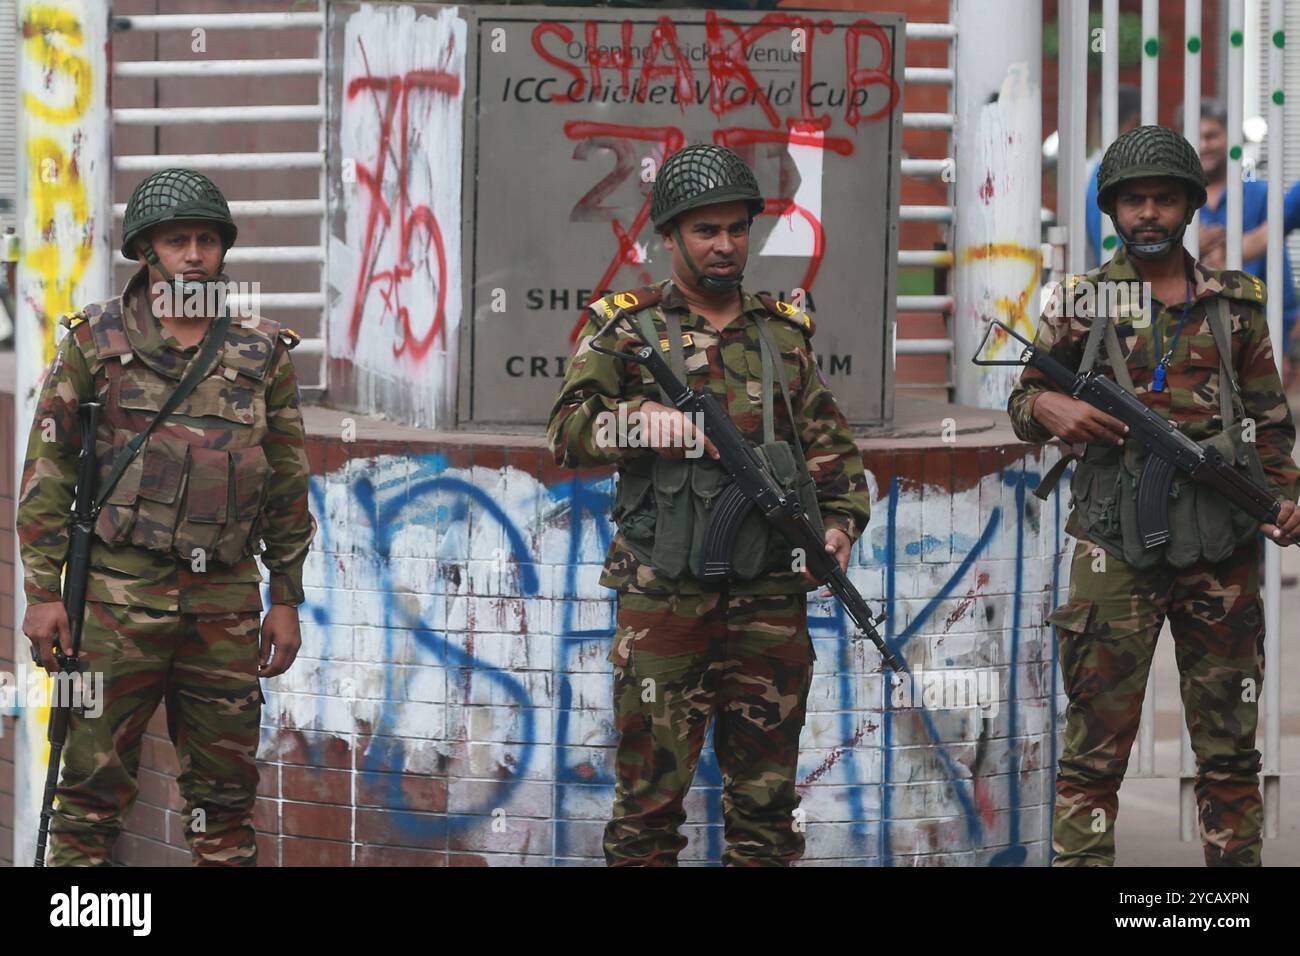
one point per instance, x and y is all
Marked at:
(1254, 214)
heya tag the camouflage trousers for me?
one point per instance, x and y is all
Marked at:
(742, 661)
(1107, 634)
(205, 667)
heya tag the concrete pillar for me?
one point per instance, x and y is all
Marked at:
(997, 142)
(65, 222)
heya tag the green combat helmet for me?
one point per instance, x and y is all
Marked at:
(166, 196)
(1150, 151)
(702, 175)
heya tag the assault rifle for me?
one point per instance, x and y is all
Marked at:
(752, 487)
(1168, 449)
(76, 572)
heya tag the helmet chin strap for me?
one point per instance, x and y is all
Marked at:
(1150, 250)
(707, 282)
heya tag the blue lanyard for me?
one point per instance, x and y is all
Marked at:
(1158, 377)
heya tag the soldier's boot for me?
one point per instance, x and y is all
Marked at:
(214, 705)
(124, 654)
(756, 738)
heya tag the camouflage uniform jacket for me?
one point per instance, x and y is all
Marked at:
(728, 363)
(1191, 393)
(230, 459)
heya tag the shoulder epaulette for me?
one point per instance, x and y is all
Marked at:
(1075, 279)
(784, 310)
(250, 346)
(1243, 286)
(627, 301)
(71, 320)
(290, 338)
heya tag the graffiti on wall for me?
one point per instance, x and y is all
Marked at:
(398, 268)
(57, 92)
(810, 102)
(459, 630)
(727, 71)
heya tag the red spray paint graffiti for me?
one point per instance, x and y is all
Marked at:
(731, 85)
(396, 93)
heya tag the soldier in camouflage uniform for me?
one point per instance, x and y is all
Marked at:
(685, 653)
(173, 598)
(1199, 354)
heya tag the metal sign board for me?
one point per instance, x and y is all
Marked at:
(572, 112)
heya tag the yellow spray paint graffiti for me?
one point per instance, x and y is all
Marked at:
(43, 23)
(1015, 312)
(58, 261)
(65, 182)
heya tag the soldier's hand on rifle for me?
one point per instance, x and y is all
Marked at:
(1287, 529)
(279, 633)
(839, 545)
(667, 429)
(42, 623)
(1076, 421)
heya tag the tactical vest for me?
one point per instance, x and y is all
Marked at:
(1202, 523)
(197, 487)
(663, 506)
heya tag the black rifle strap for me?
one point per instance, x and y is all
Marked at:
(1049, 481)
(198, 368)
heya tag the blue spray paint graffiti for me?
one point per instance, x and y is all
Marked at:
(429, 498)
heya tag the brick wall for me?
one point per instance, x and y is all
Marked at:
(452, 706)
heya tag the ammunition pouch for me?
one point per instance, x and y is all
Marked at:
(194, 487)
(1202, 523)
(667, 511)
(177, 498)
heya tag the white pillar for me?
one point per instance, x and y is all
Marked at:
(1192, 101)
(1150, 61)
(1236, 141)
(64, 222)
(998, 184)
